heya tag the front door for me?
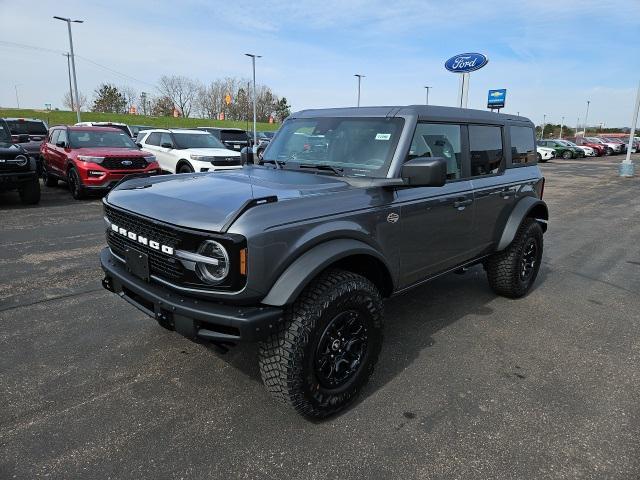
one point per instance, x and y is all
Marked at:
(436, 221)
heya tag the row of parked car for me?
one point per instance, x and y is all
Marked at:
(91, 157)
(580, 147)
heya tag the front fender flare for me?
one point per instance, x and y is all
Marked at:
(306, 267)
(522, 210)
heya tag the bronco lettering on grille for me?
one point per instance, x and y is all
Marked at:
(142, 240)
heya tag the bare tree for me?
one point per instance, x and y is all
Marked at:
(66, 101)
(181, 90)
(130, 95)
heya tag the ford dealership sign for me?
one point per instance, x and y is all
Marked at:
(466, 62)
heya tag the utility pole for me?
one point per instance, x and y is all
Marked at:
(73, 61)
(253, 63)
(627, 168)
(68, 55)
(360, 77)
(143, 97)
(17, 99)
(427, 89)
(561, 125)
(586, 116)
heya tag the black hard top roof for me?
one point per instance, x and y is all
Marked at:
(432, 112)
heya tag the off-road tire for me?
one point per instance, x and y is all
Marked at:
(504, 268)
(48, 179)
(75, 185)
(30, 192)
(287, 357)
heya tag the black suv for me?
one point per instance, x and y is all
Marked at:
(351, 206)
(35, 128)
(232, 138)
(18, 171)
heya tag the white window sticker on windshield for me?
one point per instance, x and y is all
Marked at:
(383, 136)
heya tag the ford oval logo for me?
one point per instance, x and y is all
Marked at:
(466, 62)
(126, 163)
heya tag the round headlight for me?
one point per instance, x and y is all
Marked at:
(213, 272)
(21, 160)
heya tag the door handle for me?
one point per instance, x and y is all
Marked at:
(462, 203)
(505, 192)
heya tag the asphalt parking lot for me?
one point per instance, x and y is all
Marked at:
(469, 385)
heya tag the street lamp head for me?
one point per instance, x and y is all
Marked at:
(253, 55)
(78, 21)
(359, 75)
(62, 18)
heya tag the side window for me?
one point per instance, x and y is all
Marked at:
(165, 138)
(485, 146)
(523, 149)
(54, 137)
(153, 139)
(62, 137)
(439, 140)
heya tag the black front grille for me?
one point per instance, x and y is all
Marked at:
(165, 266)
(124, 163)
(226, 161)
(160, 264)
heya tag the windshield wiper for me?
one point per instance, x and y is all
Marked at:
(277, 163)
(321, 166)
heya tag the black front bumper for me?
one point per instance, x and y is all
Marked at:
(11, 180)
(196, 319)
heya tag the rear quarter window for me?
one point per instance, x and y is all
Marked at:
(523, 147)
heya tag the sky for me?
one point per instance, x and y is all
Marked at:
(552, 56)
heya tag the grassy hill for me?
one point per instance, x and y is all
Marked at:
(69, 118)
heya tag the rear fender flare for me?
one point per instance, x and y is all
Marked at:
(523, 209)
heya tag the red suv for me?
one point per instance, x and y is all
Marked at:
(92, 159)
(599, 148)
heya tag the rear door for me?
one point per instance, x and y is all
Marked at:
(48, 150)
(494, 192)
(152, 144)
(436, 222)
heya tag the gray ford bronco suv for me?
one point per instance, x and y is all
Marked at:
(352, 205)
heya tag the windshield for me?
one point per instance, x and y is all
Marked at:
(97, 139)
(21, 127)
(196, 140)
(359, 146)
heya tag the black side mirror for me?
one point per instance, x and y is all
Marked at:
(167, 145)
(246, 154)
(61, 144)
(425, 172)
(139, 144)
(23, 138)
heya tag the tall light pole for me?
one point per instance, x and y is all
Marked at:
(427, 89)
(143, 97)
(627, 168)
(17, 99)
(73, 61)
(561, 125)
(544, 122)
(68, 55)
(253, 63)
(586, 117)
(577, 125)
(360, 77)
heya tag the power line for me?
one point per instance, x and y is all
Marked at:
(50, 50)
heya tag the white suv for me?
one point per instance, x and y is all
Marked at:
(186, 151)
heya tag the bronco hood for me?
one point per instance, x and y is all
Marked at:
(211, 201)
